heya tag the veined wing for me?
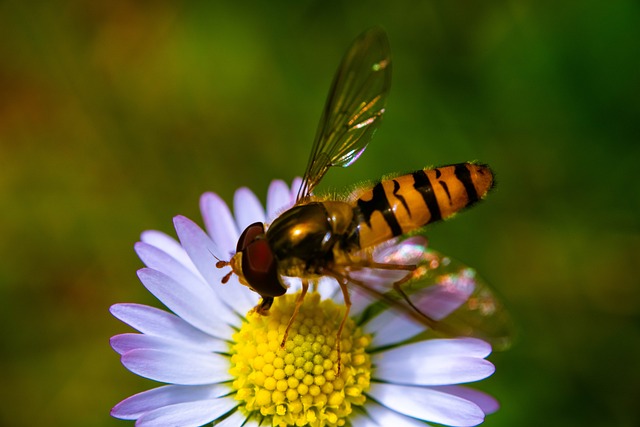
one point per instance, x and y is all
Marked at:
(353, 109)
(453, 299)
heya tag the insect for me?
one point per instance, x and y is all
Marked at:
(337, 237)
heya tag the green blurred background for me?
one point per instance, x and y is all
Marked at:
(115, 116)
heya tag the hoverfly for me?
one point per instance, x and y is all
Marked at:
(336, 237)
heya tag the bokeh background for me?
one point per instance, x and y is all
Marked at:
(116, 115)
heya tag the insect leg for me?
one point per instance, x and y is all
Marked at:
(414, 312)
(263, 306)
(347, 304)
(369, 263)
(305, 288)
(342, 281)
(397, 285)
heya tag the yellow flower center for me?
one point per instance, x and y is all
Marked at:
(298, 385)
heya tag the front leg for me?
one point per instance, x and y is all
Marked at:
(342, 281)
(305, 288)
(263, 306)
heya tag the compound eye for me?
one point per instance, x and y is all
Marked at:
(260, 269)
(249, 234)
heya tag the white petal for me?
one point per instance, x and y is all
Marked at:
(278, 199)
(156, 322)
(133, 407)
(126, 342)
(359, 300)
(363, 420)
(182, 368)
(247, 208)
(219, 224)
(189, 414)
(236, 419)
(471, 347)
(386, 417)
(250, 423)
(201, 309)
(427, 404)
(430, 371)
(169, 245)
(199, 246)
(329, 288)
(487, 403)
(391, 327)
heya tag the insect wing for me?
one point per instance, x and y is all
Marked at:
(353, 109)
(457, 296)
(447, 292)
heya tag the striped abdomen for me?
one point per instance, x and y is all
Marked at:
(403, 204)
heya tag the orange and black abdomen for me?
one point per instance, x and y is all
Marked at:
(397, 206)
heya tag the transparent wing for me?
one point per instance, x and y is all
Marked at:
(353, 109)
(453, 299)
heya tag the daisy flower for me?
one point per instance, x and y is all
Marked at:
(223, 364)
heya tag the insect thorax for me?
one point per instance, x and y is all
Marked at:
(305, 238)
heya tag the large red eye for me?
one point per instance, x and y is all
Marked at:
(260, 269)
(249, 235)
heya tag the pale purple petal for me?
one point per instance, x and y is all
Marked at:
(278, 199)
(191, 235)
(133, 407)
(295, 187)
(161, 261)
(378, 279)
(434, 370)
(437, 302)
(448, 295)
(428, 404)
(199, 246)
(407, 252)
(169, 245)
(219, 224)
(202, 309)
(392, 326)
(247, 208)
(487, 403)
(386, 417)
(194, 282)
(184, 367)
(188, 414)
(156, 322)
(127, 342)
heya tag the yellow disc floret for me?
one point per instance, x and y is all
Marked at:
(299, 385)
